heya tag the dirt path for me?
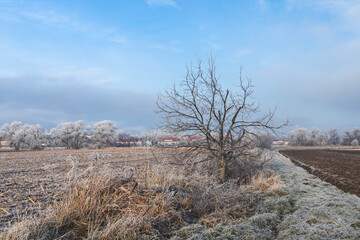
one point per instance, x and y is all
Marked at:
(338, 167)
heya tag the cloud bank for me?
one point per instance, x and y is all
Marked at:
(49, 101)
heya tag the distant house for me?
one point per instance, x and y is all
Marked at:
(280, 142)
(5, 144)
(128, 142)
(168, 142)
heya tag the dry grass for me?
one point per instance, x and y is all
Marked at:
(266, 182)
(306, 208)
(139, 201)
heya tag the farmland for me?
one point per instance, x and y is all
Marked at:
(137, 195)
(31, 180)
(164, 197)
(340, 167)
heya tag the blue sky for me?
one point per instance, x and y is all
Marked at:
(95, 60)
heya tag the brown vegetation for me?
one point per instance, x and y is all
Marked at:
(134, 194)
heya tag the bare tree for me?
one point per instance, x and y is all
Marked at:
(199, 106)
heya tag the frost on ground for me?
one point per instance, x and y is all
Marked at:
(152, 202)
(307, 208)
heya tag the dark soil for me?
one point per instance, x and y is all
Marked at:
(338, 167)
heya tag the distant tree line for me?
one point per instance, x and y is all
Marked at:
(316, 137)
(75, 135)
(69, 135)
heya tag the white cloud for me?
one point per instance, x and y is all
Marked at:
(48, 100)
(80, 73)
(347, 11)
(54, 19)
(163, 3)
(30, 13)
(38, 15)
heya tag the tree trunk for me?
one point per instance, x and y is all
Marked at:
(223, 169)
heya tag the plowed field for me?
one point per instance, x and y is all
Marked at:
(338, 167)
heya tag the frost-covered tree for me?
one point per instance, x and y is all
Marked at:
(355, 142)
(303, 137)
(104, 133)
(19, 139)
(149, 138)
(70, 134)
(350, 135)
(13, 133)
(356, 134)
(7, 131)
(347, 138)
(121, 134)
(314, 137)
(298, 137)
(23, 136)
(333, 137)
(35, 137)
